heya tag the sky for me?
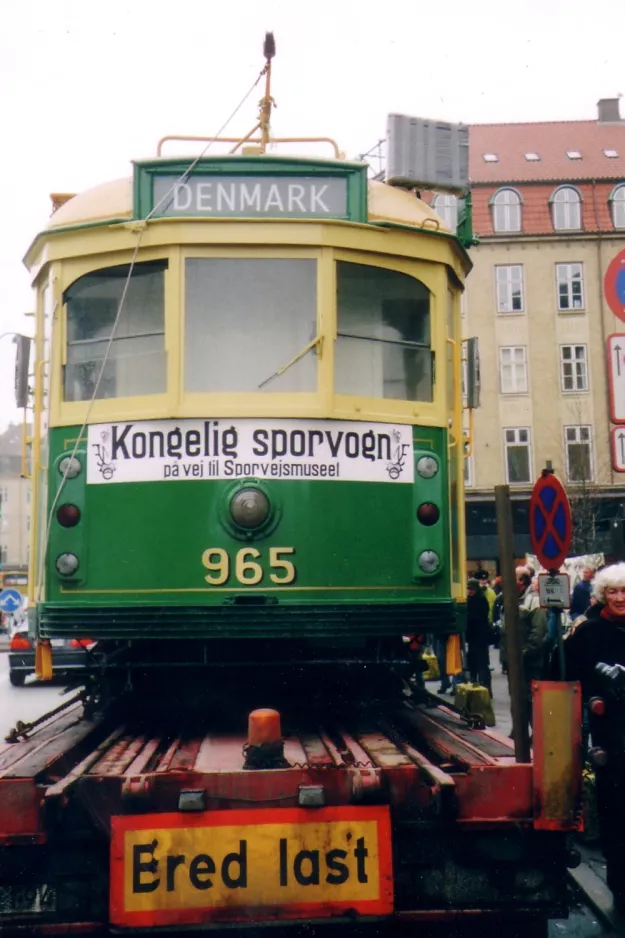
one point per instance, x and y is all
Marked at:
(86, 87)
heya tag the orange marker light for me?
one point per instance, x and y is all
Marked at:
(263, 727)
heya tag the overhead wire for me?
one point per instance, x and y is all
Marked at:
(94, 396)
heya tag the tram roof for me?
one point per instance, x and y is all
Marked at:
(113, 201)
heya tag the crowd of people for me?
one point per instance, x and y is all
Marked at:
(594, 636)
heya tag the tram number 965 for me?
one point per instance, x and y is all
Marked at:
(247, 570)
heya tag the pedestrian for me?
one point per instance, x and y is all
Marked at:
(600, 638)
(533, 622)
(580, 600)
(478, 634)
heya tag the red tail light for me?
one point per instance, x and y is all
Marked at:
(597, 706)
(68, 515)
(428, 513)
(20, 643)
(81, 642)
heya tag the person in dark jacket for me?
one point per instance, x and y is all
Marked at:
(600, 638)
(478, 634)
(580, 600)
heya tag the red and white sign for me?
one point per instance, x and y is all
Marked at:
(551, 528)
(616, 376)
(618, 449)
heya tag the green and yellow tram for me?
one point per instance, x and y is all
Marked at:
(247, 406)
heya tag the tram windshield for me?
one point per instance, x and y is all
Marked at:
(245, 319)
(383, 334)
(136, 361)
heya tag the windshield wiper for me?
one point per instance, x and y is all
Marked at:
(316, 341)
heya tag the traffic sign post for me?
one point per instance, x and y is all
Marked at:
(551, 530)
(554, 592)
(10, 600)
(616, 376)
(618, 448)
(614, 285)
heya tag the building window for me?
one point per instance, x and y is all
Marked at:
(578, 445)
(28, 524)
(506, 205)
(509, 284)
(574, 367)
(4, 496)
(3, 553)
(617, 200)
(566, 209)
(570, 281)
(447, 207)
(518, 456)
(513, 369)
(468, 470)
(28, 496)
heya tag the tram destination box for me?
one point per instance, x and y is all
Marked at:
(427, 153)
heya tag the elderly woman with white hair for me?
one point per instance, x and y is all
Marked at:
(600, 638)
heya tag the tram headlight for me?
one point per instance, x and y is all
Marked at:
(427, 467)
(249, 508)
(70, 467)
(67, 564)
(429, 561)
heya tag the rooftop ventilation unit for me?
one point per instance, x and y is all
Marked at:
(427, 154)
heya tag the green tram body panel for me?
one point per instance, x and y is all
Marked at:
(354, 547)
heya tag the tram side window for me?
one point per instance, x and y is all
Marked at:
(245, 320)
(136, 362)
(383, 334)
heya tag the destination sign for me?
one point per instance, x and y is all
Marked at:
(245, 196)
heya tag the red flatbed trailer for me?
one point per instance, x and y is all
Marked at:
(410, 815)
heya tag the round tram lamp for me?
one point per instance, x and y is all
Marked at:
(70, 467)
(427, 467)
(428, 514)
(249, 508)
(68, 515)
(67, 564)
(429, 561)
(597, 706)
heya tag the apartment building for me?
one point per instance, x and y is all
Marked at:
(15, 507)
(549, 212)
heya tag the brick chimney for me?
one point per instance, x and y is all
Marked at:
(608, 110)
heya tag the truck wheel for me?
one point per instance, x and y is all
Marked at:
(16, 678)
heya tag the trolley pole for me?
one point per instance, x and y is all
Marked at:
(514, 638)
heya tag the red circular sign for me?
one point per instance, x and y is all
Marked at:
(550, 522)
(614, 285)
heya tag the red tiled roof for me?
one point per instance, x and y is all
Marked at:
(536, 208)
(510, 142)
